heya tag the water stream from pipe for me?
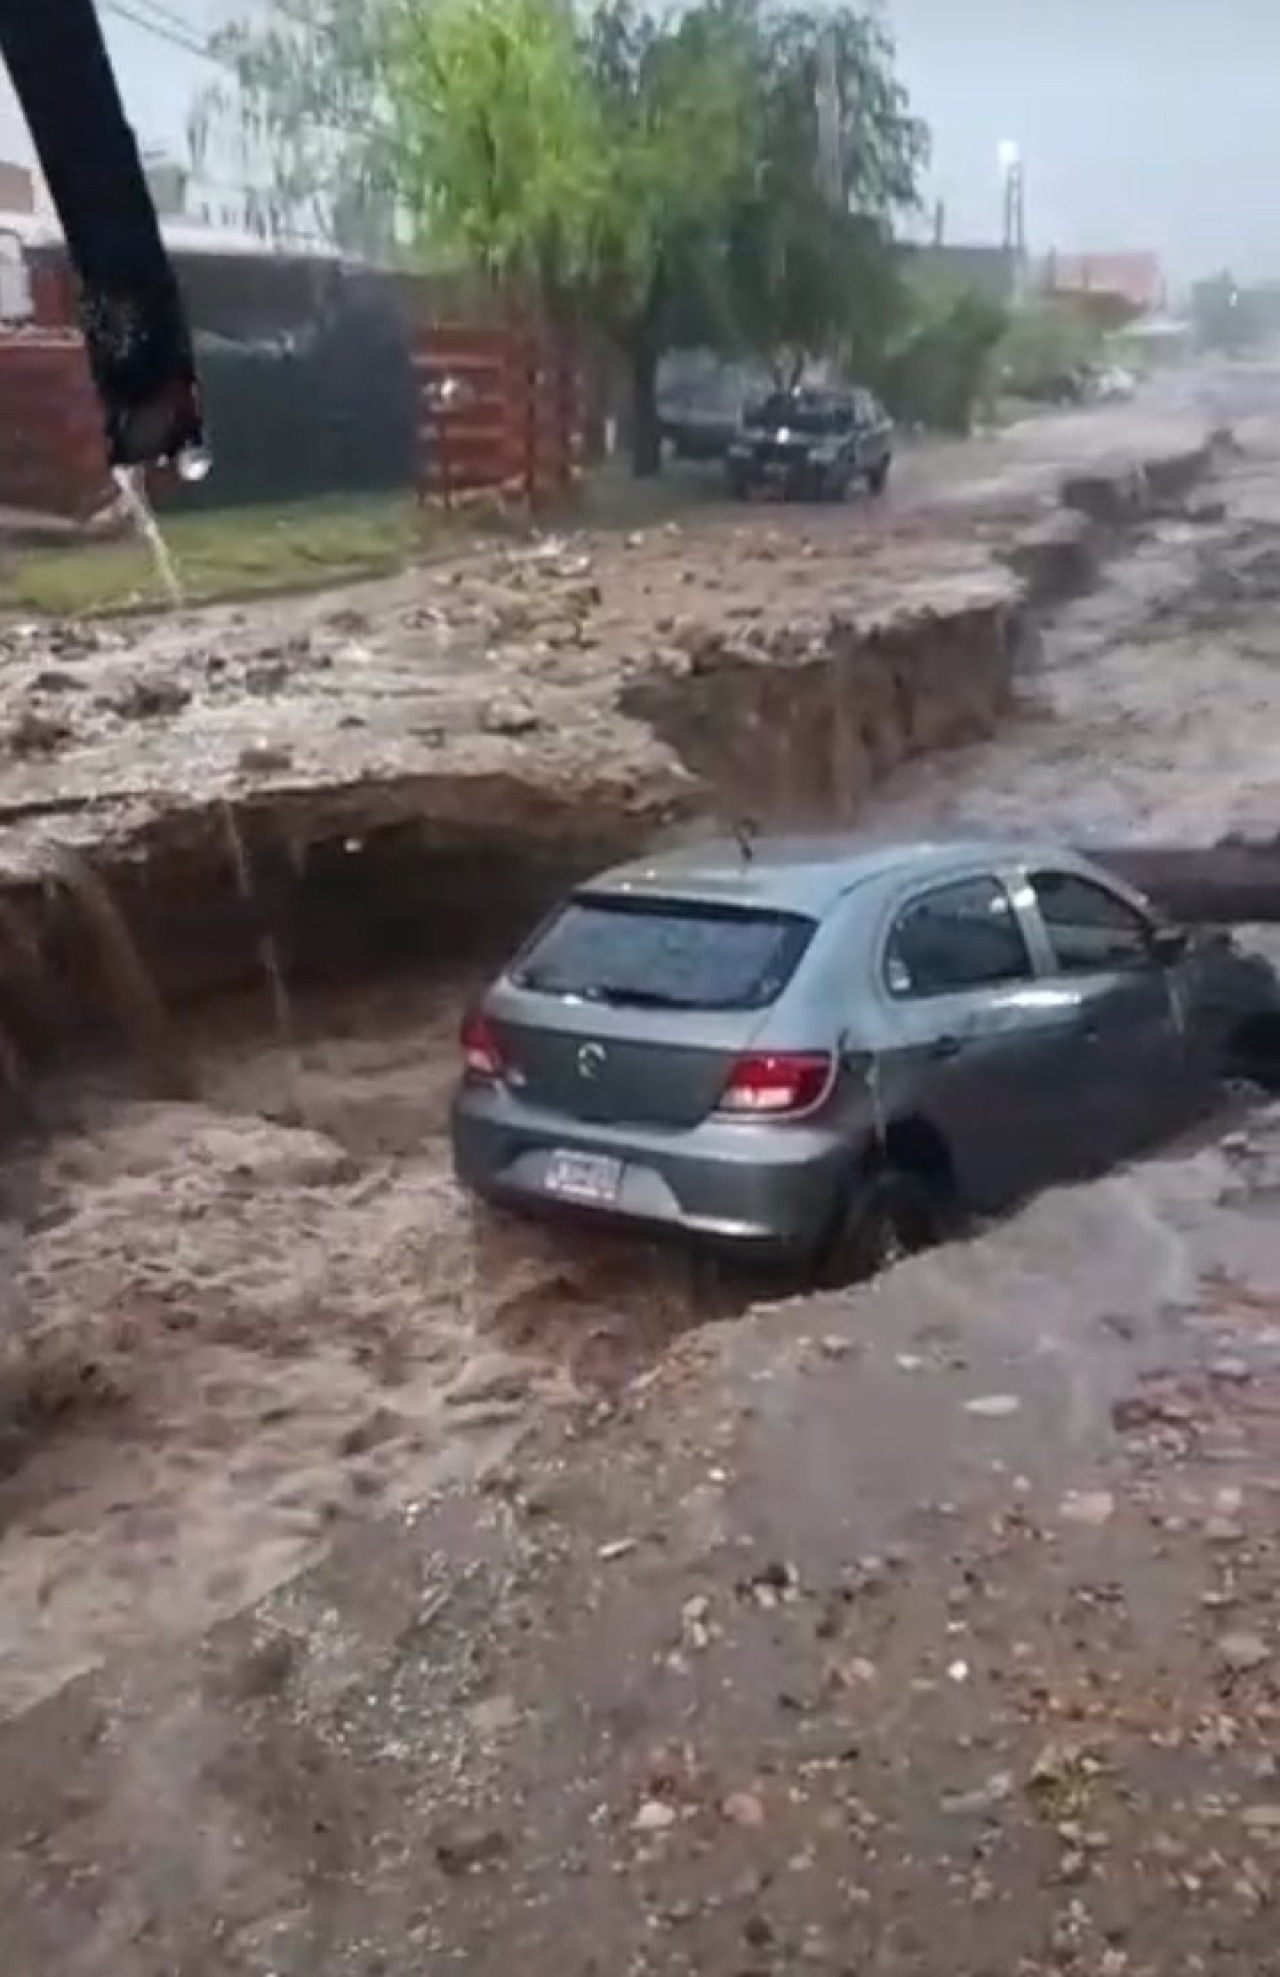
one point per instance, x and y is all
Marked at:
(133, 495)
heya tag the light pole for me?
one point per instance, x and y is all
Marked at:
(1014, 231)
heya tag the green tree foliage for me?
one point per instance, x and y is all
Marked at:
(728, 173)
(943, 360)
(1045, 342)
(675, 102)
(811, 251)
(498, 139)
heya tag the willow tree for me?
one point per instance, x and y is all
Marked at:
(813, 264)
(497, 139)
(592, 164)
(299, 120)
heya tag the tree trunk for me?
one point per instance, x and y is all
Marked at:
(646, 432)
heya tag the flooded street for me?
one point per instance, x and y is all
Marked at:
(925, 1628)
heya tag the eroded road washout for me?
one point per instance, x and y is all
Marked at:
(291, 1327)
(253, 1306)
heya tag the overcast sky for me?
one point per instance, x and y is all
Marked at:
(1143, 123)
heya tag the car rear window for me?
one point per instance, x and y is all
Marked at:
(663, 953)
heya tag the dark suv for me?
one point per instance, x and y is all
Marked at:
(812, 445)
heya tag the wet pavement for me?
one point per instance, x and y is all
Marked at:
(927, 1628)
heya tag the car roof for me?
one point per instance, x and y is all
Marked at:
(802, 874)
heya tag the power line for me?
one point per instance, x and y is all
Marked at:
(164, 27)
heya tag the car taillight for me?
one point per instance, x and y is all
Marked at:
(782, 1081)
(481, 1051)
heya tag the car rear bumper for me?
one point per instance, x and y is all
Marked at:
(742, 1187)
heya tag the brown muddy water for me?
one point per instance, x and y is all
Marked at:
(241, 1319)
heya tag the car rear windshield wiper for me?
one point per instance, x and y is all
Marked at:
(635, 998)
(614, 993)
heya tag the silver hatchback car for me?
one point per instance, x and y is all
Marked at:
(824, 1051)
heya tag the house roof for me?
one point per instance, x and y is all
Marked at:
(1137, 277)
(181, 236)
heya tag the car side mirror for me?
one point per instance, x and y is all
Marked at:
(1169, 944)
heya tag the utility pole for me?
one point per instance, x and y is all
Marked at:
(830, 121)
(1014, 226)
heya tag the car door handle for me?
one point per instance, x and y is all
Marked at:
(946, 1046)
(1089, 1032)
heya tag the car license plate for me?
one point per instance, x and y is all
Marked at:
(588, 1177)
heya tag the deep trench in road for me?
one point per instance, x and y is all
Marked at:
(246, 1312)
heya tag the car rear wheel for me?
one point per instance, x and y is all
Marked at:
(889, 1215)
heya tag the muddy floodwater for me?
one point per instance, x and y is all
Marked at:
(246, 1320)
(937, 1613)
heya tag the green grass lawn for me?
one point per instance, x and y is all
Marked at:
(235, 553)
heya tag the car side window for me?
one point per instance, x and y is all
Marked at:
(1090, 930)
(960, 936)
(868, 411)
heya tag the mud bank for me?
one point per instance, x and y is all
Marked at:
(304, 791)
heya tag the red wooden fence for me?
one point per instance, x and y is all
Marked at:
(499, 411)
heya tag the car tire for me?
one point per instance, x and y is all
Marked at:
(878, 477)
(1253, 1053)
(889, 1214)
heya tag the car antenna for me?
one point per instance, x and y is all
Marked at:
(746, 830)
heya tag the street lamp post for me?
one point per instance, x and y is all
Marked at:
(1014, 231)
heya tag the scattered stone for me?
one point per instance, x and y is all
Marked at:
(1151, 1410)
(1091, 1507)
(832, 1346)
(1241, 1653)
(958, 1671)
(37, 734)
(743, 1809)
(265, 758)
(511, 714)
(468, 1852)
(491, 1376)
(266, 676)
(1231, 1370)
(616, 1548)
(983, 1798)
(773, 1584)
(493, 1715)
(1262, 1818)
(654, 1816)
(993, 1407)
(150, 696)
